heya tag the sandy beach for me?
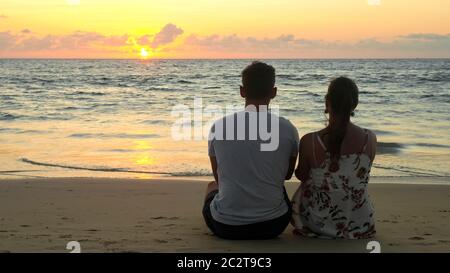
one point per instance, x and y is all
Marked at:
(124, 215)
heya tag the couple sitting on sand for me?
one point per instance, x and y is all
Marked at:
(248, 200)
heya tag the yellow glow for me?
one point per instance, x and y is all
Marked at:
(325, 20)
(145, 160)
(142, 145)
(73, 2)
(144, 53)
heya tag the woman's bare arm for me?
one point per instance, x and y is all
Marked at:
(303, 169)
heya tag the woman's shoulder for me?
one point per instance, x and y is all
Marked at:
(370, 143)
(370, 133)
(308, 138)
(305, 141)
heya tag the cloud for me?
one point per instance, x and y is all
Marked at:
(426, 36)
(26, 41)
(162, 43)
(36, 44)
(289, 46)
(145, 40)
(234, 42)
(428, 43)
(278, 46)
(167, 35)
(6, 40)
(86, 40)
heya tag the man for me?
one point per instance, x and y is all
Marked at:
(248, 200)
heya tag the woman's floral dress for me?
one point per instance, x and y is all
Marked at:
(336, 204)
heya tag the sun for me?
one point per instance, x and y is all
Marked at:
(144, 53)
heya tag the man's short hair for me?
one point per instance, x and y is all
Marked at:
(258, 79)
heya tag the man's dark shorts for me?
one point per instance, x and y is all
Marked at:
(258, 231)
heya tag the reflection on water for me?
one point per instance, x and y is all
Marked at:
(112, 118)
(142, 145)
(145, 160)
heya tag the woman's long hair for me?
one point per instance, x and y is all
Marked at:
(342, 98)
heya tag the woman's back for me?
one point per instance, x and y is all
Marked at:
(353, 143)
(334, 202)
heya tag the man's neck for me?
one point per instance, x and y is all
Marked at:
(264, 104)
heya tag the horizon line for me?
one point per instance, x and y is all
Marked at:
(212, 59)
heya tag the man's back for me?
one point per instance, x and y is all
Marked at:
(251, 178)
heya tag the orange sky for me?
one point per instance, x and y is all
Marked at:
(224, 28)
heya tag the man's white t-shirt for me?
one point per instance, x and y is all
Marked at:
(251, 181)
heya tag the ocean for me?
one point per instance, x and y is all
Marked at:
(113, 118)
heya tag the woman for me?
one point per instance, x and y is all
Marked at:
(332, 200)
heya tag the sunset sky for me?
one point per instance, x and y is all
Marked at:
(224, 28)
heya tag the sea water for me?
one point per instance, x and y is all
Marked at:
(112, 118)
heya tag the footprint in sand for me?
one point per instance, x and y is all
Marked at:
(162, 217)
(108, 243)
(389, 221)
(426, 244)
(416, 238)
(42, 235)
(161, 241)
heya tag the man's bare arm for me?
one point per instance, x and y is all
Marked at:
(291, 169)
